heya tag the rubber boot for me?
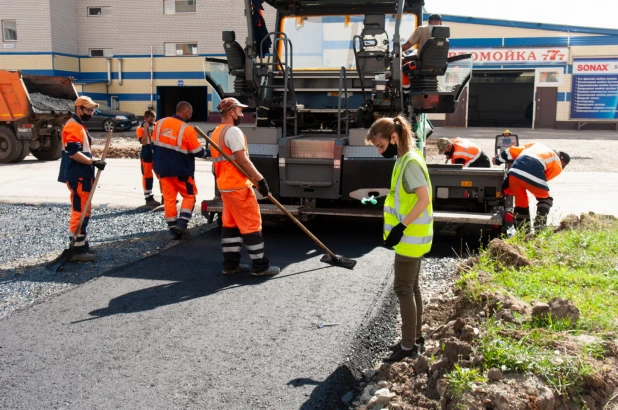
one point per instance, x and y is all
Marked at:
(522, 219)
(543, 207)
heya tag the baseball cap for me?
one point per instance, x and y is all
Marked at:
(566, 158)
(85, 101)
(435, 16)
(442, 144)
(227, 104)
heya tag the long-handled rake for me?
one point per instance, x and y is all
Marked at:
(330, 257)
(67, 254)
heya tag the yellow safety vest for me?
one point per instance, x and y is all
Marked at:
(417, 237)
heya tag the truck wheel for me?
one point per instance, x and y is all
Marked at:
(25, 149)
(10, 146)
(53, 153)
(108, 125)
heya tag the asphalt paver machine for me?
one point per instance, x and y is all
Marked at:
(316, 83)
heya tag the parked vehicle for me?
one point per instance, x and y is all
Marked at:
(336, 66)
(108, 119)
(33, 110)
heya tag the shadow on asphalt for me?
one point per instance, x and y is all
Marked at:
(326, 395)
(194, 267)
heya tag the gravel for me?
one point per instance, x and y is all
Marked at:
(32, 236)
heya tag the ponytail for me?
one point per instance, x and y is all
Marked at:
(385, 127)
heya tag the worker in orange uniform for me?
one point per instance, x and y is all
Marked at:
(242, 222)
(175, 147)
(77, 171)
(461, 151)
(143, 132)
(533, 166)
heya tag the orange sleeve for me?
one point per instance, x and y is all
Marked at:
(139, 131)
(190, 140)
(72, 132)
(553, 170)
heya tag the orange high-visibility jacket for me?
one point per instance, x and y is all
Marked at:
(175, 146)
(534, 163)
(464, 149)
(228, 177)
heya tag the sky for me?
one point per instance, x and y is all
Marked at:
(589, 13)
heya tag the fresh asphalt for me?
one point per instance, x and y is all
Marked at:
(170, 331)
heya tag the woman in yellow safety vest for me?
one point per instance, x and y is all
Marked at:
(408, 225)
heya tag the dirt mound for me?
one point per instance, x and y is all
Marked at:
(507, 255)
(589, 220)
(117, 152)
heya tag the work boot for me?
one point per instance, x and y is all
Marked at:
(420, 342)
(271, 271)
(151, 202)
(84, 256)
(184, 232)
(243, 267)
(175, 235)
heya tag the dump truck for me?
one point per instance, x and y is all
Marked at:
(335, 66)
(33, 110)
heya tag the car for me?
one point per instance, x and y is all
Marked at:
(107, 119)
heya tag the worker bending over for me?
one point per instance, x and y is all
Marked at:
(77, 171)
(143, 132)
(533, 166)
(241, 219)
(464, 152)
(175, 147)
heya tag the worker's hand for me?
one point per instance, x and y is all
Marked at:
(493, 161)
(263, 187)
(99, 163)
(395, 235)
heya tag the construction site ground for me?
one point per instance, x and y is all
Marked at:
(170, 331)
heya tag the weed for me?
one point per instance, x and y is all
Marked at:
(462, 379)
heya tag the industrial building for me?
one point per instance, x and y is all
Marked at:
(144, 54)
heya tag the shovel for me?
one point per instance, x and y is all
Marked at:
(67, 254)
(330, 257)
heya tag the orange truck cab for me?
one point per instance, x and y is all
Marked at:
(33, 110)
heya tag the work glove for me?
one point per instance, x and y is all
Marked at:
(263, 187)
(99, 163)
(395, 235)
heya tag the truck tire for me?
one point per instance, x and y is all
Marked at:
(10, 146)
(53, 153)
(25, 149)
(108, 125)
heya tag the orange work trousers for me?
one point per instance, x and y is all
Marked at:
(519, 189)
(171, 187)
(79, 190)
(241, 210)
(147, 178)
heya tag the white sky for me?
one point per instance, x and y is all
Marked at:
(588, 13)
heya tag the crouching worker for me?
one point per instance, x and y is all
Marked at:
(175, 147)
(143, 132)
(461, 151)
(77, 171)
(533, 166)
(241, 219)
(408, 225)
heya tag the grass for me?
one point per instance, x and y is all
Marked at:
(580, 265)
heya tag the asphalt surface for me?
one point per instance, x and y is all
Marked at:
(170, 331)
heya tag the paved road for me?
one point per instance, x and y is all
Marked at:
(171, 332)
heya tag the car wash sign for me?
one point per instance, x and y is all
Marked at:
(594, 89)
(504, 56)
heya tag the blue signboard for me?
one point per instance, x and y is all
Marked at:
(594, 92)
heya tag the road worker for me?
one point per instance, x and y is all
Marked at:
(143, 132)
(77, 171)
(241, 219)
(534, 164)
(408, 225)
(418, 38)
(461, 151)
(175, 147)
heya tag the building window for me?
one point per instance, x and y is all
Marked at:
(99, 11)
(180, 49)
(101, 52)
(9, 30)
(179, 6)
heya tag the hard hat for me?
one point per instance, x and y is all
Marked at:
(506, 132)
(442, 144)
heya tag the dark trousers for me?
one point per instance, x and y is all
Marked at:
(407, 289)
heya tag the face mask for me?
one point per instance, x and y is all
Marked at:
(85, 117)
(237, 120)
(390, 151)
